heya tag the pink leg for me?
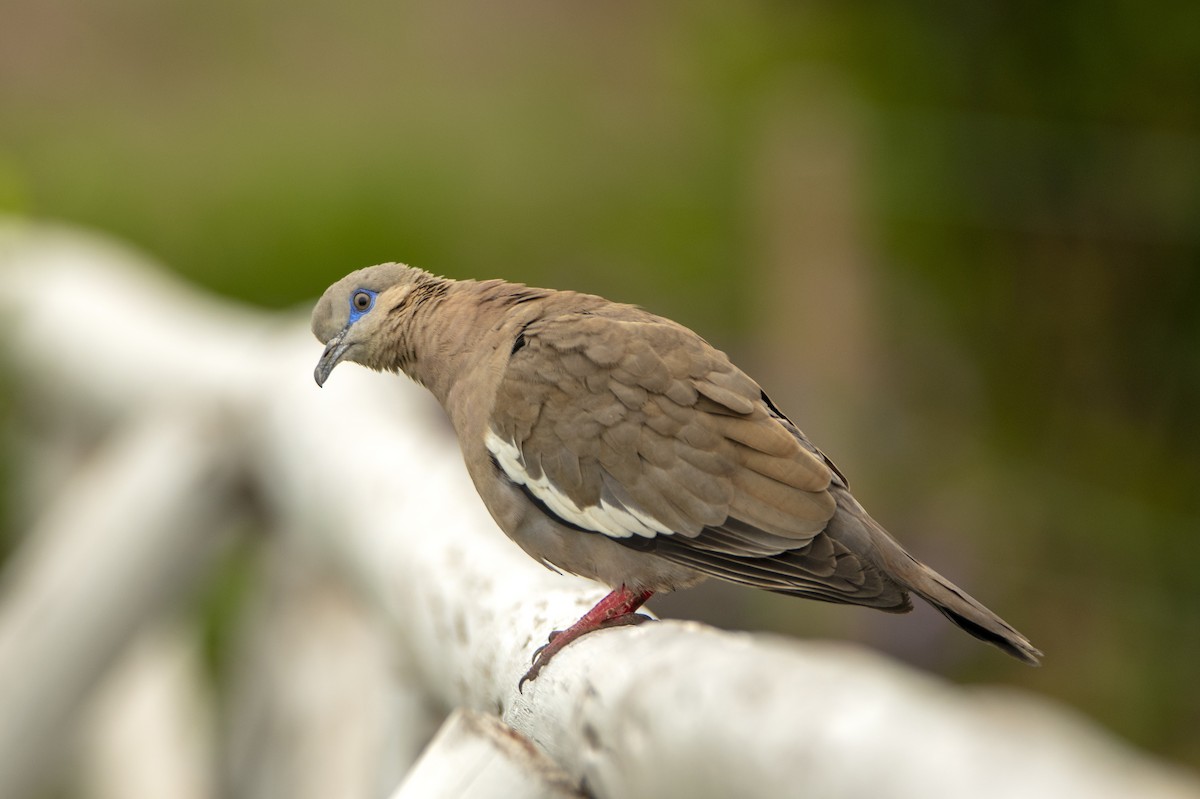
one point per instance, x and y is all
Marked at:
(614, 610)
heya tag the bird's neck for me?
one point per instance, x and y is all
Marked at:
(451, 333)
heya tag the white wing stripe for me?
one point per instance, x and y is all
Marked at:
(616, 521)
(647, 520)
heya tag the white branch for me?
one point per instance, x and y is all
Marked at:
(475, 756)
(126, 538)
(366, 472)
(314, 709)
(149, 731)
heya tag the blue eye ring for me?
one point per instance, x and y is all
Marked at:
(361, 303)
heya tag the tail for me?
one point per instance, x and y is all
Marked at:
(964, 610)
(856, 529)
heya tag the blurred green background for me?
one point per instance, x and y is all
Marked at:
(960, 245)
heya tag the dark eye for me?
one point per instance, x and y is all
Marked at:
(362, 300)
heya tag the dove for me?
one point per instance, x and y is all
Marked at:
(618, 445)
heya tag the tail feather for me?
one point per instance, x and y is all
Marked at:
(855, 527)
(965, 611)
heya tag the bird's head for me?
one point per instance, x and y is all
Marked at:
(350, 315)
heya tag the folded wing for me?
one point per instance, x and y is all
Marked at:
(627, 425)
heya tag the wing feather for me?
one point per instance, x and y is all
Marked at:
(631, 426)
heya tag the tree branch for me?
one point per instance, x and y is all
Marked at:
(366, 474)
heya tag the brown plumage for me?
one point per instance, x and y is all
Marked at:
(618, 445)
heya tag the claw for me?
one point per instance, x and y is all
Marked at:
(559, 639)
(549, 640)
(615, 610)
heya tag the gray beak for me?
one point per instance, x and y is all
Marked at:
(335, 350)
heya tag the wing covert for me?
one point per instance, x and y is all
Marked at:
(629, 425)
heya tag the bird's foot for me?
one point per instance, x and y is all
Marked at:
(615, 610)
(560, 638)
